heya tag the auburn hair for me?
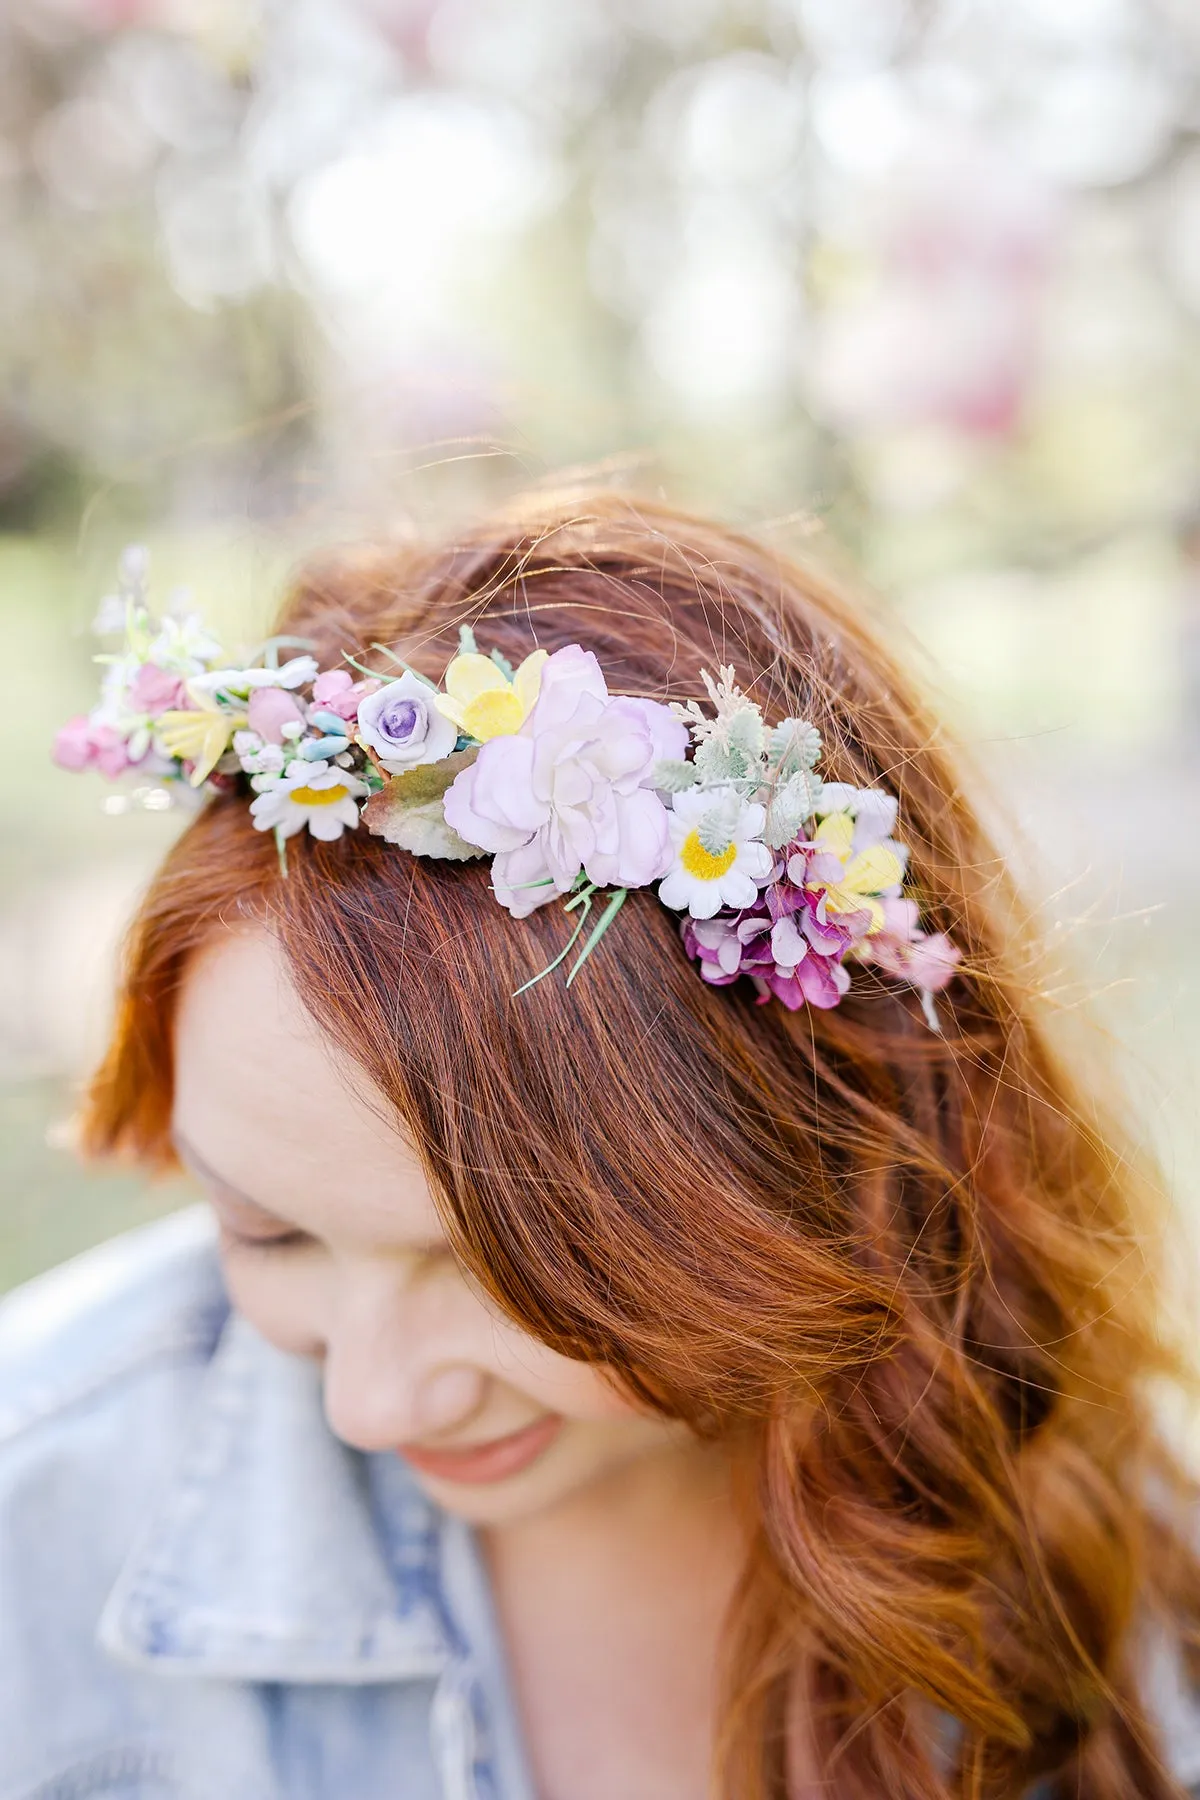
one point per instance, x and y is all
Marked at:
(904, 1273)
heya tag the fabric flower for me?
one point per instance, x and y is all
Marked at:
(242, 682)
(82, 743)
(862, 874)
(704, 882)
(154, 690)
(313, 794)
(926, 959)
(270, 709)
(256, 756)
(401, 723)
(572, 789)
(481, 699)
(778, 957)
(336, 691)
(200, 735)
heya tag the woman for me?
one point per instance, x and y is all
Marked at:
(719, 1362)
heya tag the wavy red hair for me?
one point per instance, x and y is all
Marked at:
(905, 1273)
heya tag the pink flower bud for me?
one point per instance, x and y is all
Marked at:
(73, 744)
(270, 710)
(111, 755)
(154, 690)
(330, 684)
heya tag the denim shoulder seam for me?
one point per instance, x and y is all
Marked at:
(44, 1398)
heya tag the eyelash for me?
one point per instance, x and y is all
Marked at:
(285, 1240)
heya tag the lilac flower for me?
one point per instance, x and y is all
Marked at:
(572, 789)
(404, 728)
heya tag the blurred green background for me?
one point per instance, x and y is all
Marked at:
(914, 285)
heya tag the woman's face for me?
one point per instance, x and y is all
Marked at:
(332, 1247)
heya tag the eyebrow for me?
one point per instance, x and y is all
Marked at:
(189, 1156)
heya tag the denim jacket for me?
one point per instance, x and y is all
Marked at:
(204, 1595)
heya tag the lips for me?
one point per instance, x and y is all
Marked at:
(494, 1461)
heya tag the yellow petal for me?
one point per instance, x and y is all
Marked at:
(835, 833)
(198, 737)
(528, 679)
(470, 675)
(450, 709)
(873, 870)
(493, 715)
(845, 900)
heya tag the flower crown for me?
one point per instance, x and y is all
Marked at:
(573, 792)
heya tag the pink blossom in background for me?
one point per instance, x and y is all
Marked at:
(154, 690)
(82, 745)
(73, 744)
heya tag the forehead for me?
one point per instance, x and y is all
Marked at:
(280, 1111)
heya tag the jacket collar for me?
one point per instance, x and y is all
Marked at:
(277, 1553)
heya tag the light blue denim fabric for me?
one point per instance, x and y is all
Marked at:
(204, 1595)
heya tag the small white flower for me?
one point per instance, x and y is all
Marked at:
(257, 757)
(183, 645)
(312, 794)
(703, 882)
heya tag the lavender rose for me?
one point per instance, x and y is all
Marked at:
(400, 723)
(572, 789)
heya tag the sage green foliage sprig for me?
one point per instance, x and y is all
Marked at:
(738, 758)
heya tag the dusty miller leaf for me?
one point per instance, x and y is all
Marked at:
(794, 744)
(716, 827)
(789, 807)
(673, 775)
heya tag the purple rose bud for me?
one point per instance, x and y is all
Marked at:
(403, 727)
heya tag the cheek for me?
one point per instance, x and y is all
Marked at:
(578, 1390)
(277, 1294)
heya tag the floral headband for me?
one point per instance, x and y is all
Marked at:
(573, 792)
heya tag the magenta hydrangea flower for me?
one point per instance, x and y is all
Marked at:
(572, 789)
(795, 954)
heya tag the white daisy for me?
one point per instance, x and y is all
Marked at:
(703, 882)
(309, 793)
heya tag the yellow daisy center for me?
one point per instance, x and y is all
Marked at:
(306, 796)
(701, 862)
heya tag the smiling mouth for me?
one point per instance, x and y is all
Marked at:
(494, 1461)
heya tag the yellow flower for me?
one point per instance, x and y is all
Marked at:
(482, 701)
(199, 736)
(865, 875)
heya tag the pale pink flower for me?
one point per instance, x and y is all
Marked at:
(572, 789)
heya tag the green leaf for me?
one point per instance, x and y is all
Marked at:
(408, 810)
(503, 664)
(466, 641)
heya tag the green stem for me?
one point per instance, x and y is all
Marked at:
(565, 951)
(601, 926)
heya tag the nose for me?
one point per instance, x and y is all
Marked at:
(400, 1374)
